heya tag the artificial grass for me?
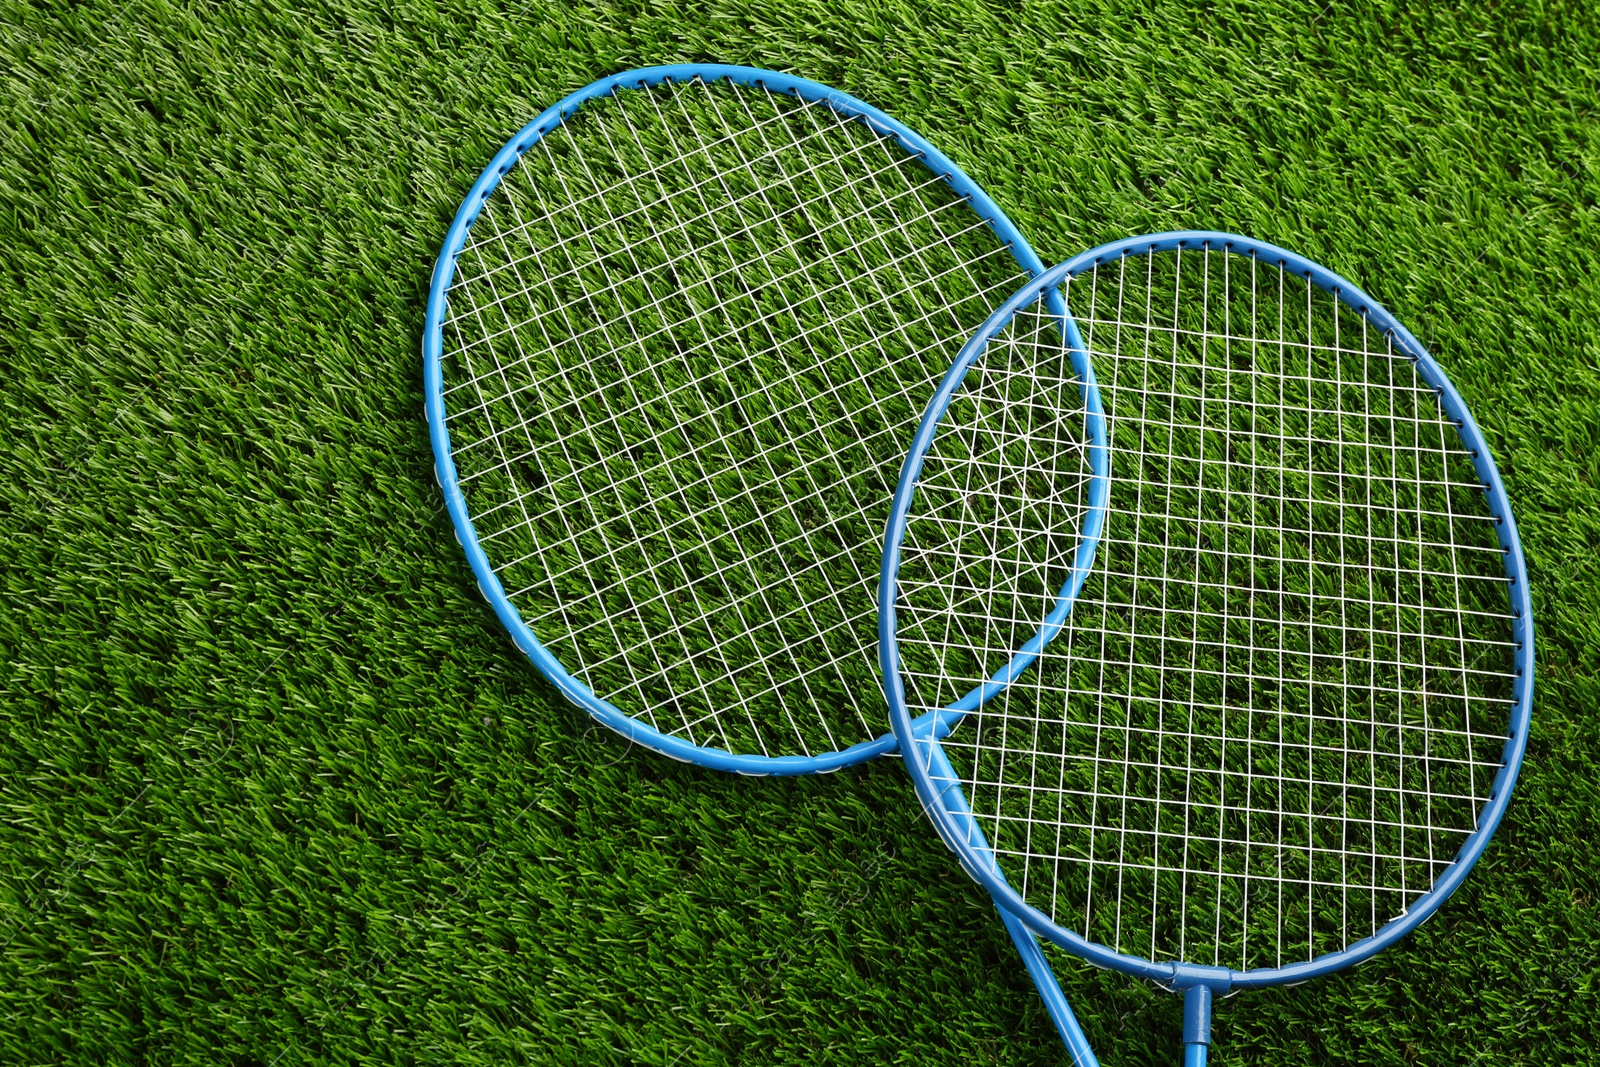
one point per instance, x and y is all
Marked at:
(277, 790)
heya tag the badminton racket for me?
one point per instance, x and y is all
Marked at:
(1279, 675)
(676, 338)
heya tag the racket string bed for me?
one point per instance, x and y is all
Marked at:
(1277, 707)
(686, 337)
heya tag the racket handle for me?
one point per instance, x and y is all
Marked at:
(1055, 1001)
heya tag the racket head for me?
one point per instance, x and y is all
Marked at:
(969, 829)
(939, 188)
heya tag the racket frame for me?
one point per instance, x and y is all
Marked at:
(444, 467)
(944, 800)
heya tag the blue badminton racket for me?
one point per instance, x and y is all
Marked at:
(676, 338)
(1281, 712)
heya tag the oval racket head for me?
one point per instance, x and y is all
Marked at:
(1286, 710)
(677, 336)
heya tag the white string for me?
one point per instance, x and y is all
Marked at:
(686, 339)
(1279, 701)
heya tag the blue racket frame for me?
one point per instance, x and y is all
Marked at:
(445, 469)
(944, 799)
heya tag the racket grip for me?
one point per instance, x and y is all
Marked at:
(1055, 1001)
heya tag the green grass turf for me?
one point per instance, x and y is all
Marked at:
(275, 789)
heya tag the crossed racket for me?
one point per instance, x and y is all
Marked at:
(1197, 600)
